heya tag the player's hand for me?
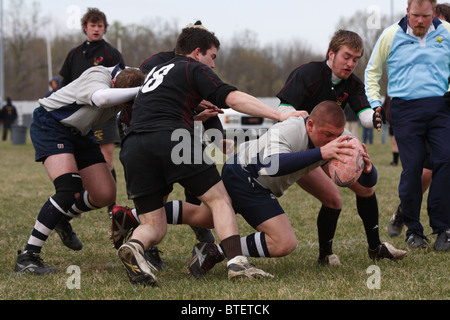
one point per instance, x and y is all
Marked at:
(206, 105)
(286, 115)
(379, 117)
(336, 148)
(205, 115)
(367, 162)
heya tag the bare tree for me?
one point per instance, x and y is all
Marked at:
(363, 23)
(24, 66)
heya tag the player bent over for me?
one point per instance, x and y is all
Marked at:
(64, 142)
(166, 103)
(288, 151)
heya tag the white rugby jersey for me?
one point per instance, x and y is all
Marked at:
(284, 137)
(72, 105)
(289, 136)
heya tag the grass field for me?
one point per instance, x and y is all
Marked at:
(24, 187)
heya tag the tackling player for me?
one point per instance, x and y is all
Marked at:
(65, 144)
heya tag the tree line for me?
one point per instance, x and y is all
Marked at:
(242, 62)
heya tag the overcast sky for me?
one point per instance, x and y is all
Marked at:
(313, 22)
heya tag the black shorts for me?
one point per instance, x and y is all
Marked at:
(50, 137)
(151, 166)
(255, 203)
(107, 132)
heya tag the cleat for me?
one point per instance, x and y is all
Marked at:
(415, 241)
(153, 259)
(395, 225)
(68, 237)
(239, 268)
(122, 222)
(203, 234)
(386, 250)
(329, 260)
(204, 257)
(136, 266)
(442, 242)
(31, 262)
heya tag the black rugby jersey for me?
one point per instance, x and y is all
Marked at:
(310, 84)
(171, 93)
(87, 55)
(156, 59)
(146, 67)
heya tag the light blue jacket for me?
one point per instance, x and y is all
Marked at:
(416, 69)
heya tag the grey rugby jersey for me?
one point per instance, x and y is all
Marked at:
(289, 136)
(72, 105)
(284, 137)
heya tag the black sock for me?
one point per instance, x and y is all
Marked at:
(113, 173)
(326, 225)
(368, 211)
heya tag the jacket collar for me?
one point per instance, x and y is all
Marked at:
(404, 23)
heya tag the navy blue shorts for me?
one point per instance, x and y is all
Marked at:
(50, 137)
(255, 203)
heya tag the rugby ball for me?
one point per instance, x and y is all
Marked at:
(346, 174)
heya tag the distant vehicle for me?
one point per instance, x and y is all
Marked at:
(242, 127)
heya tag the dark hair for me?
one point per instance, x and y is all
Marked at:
(94, 15)
(328, 112)
(345, 38)
(196, 36)
(444, 10)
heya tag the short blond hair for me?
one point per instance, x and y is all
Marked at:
(328, 112)
(433, 3)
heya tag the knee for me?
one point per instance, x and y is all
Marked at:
(68, 188)
(333, 201)
(361, 191)
(285, 246)
(104, 196)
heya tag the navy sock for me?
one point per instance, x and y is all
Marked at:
(48, 218)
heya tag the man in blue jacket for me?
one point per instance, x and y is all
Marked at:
(417, 54)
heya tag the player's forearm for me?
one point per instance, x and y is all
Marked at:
(111, 97)
(248, 104)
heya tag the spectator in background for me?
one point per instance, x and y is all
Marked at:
(367, 135)
(8, 115)
(54, 84)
